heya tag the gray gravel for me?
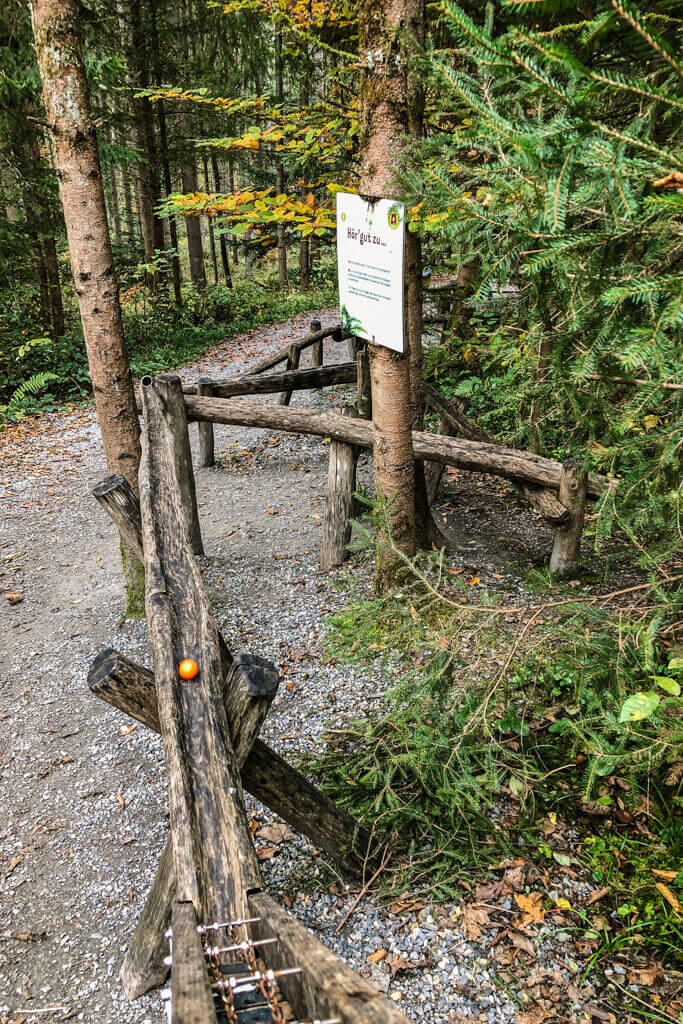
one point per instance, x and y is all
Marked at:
(84, 795)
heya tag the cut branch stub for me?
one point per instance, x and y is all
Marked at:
(120, 502)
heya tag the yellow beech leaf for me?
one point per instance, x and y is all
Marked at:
(670, 897)
(531, 906)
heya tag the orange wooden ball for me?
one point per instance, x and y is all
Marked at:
(188, 668)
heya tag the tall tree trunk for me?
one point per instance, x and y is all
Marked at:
(280, 174)
(172, 223)
(195, 249)
(387, 99)
(115, 199)
(128, 205)
(212, 237)
(43, 289)
(55, 286)
(304, 242)
(235, 247)
(67, 104)
(222, 240)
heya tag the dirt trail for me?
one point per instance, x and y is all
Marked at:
(83, 795)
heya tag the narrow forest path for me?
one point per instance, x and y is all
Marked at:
(83, 795)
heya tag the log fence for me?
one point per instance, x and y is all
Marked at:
(459, 441)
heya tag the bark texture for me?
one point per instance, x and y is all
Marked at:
(390, 108)
(67, 104)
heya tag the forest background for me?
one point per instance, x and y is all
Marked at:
(547, 186)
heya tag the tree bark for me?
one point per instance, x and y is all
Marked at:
(195, 248)
(567, 542)
(222, 241)
(55, 287)
(387, 110)
(67, 105)
(43, 289)
(280, 173)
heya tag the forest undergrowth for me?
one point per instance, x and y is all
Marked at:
(557, 705)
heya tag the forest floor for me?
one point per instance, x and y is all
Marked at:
(83, 794)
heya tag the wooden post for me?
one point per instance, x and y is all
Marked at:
(364, 388)
(567, 542)
(317, 346)
(353, 345)
(434, 471)
(170, 389)
(119, 500)
(292, 364)
(205, 430)
(341, 483)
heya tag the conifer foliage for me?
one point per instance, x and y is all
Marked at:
(557, 163)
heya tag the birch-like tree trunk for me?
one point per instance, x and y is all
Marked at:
(67, 104)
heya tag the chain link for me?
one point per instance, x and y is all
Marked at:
(266, 984)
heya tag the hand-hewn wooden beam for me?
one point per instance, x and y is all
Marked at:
(191, 995)
(310, 339)
(214, 859)
(477, 456)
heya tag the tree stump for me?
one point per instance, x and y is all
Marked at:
(567, 542)
(292, 364)
(120, 502)
(364, 388)
(205, 430)
(341, 483)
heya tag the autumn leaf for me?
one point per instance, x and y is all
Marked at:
(474, 918)
(532, 906)
(377, 956)
(271, 512)
(670, 897)
(14, 598)
(266, 852)
(276, 833)
(120, 800)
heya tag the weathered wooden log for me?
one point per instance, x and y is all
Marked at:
(282, 354)
(214, 859)
(191, 995)
(434, 470)
(205, 430)
(129, 687)
(250, 687)
(120, 501)
(317, 346)
(454, 423)
(364, 389)
(567, 541)
(292, 364)
(341, 484)
(169, 386)
(327, 988)
(476, 456)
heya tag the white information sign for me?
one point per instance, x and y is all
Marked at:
(370, 238)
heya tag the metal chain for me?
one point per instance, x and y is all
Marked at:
(265, 980)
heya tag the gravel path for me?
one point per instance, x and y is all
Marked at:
(84, 794)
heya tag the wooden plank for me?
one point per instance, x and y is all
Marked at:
(328, 987)
(476, 456)
(191, 995)
(292, 364)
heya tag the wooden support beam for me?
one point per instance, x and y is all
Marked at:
(328, 987)
(341, 484)
(310, 339)
(292, 364)
(567, 542)
(510, 463)
(205, 430)
(213, 855)
(169, 387)
(454, 423)
(364, 389)
(191, 995)
(120, 502)
(250, 687)
(265, 774)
